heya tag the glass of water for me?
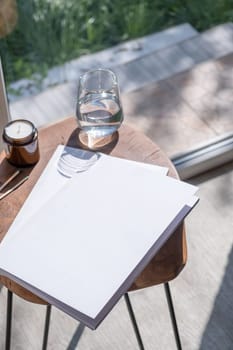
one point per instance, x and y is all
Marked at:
(99, 110)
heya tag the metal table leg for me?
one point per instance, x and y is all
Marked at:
(172, 315)
(46, 328)
(8, 319)
(134, 322)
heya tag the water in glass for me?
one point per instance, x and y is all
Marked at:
(100, 114)
(99, 111)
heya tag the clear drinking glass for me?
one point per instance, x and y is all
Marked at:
(99, 110)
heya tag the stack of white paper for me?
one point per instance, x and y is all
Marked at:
(80, 242)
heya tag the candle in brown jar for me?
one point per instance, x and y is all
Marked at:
(21, 140)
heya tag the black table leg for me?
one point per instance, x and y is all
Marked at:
(134, 322)
(173, 316)
(46, 328)
(8, 319)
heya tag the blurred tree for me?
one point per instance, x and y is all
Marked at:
(8, 16)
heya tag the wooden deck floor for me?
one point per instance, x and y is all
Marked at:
(187, 109)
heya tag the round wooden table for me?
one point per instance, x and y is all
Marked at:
(129, 144)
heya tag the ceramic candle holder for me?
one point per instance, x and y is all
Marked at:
(21, 140)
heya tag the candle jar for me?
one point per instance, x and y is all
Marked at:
(21, 140)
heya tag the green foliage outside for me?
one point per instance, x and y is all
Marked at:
(51, 32)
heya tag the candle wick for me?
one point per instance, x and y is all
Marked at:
(18, 131)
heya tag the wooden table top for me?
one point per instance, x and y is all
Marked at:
(129, 144)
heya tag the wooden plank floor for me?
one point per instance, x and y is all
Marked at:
(187, 109)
